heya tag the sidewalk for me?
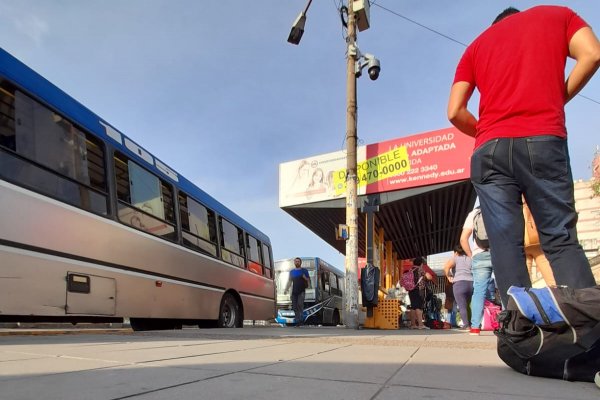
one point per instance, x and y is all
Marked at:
(269, 363)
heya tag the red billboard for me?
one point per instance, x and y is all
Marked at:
(434, 157)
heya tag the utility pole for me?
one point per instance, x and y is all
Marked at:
(360, 21)
(351, 261)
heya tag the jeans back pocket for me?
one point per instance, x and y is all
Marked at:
(548, 156)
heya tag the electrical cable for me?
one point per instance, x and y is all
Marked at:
(344, 11)
(419, 24)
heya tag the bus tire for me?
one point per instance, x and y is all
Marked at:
(229, 313)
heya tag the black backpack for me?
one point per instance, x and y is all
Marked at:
(552, 332)
(369, 284)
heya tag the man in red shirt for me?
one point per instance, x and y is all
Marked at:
(518, 66)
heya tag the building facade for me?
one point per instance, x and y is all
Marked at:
(588, 224)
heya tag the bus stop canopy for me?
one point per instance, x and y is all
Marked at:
(421, 209)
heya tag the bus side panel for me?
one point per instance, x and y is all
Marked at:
(29, 219)
(257, 308)
(36, 284)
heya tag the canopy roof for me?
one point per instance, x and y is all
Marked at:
(418, 222)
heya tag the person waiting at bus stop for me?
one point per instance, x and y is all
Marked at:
(421, 273)
(299, 281)
(458, 272)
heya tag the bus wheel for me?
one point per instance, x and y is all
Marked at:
(229, 314)
(335, 319)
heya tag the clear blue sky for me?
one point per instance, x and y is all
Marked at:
(214, 90)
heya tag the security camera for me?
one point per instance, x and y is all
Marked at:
(374, 68)
(373, 64)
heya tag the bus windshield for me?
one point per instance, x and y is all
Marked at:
(322, 301)
(281, 280)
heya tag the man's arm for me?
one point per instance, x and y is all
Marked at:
(464, 240)
(287, 286)
(584, 47)
(307, 279)
(458, 114)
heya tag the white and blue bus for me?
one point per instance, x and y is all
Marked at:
(323, 303)
(95, 228)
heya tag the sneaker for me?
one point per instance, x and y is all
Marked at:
(597, 379)
(474, 331)
(465, 328)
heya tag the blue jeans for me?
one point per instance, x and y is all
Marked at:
(298, 306)
(451, 316)
(481, 266)
(539, 168)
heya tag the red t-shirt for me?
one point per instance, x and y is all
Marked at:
(518, 66)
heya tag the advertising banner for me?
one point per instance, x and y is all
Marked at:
(312, 179)
(419, 160)
(434, 157)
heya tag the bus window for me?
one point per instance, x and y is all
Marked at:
(267, 261)
(145, 191)
(325, 281)
(334, 283)
(231, 243)
(254, 262)
(42, 151)
(145, 201)
(198, 225)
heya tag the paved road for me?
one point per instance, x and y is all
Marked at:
(265, 363)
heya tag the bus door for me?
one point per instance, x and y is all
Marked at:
(335, 283)
(325, 289)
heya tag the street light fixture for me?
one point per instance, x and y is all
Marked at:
(298, 26)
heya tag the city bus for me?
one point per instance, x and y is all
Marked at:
(95, 228)
(323, 303)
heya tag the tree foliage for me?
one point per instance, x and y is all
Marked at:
(596, 187)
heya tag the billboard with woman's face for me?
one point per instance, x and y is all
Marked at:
(418, 160)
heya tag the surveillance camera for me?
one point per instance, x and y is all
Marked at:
(374, 69)
(367, 60)
(374, 72)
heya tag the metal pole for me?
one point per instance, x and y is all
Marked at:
(307, 6)
(351, 262)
